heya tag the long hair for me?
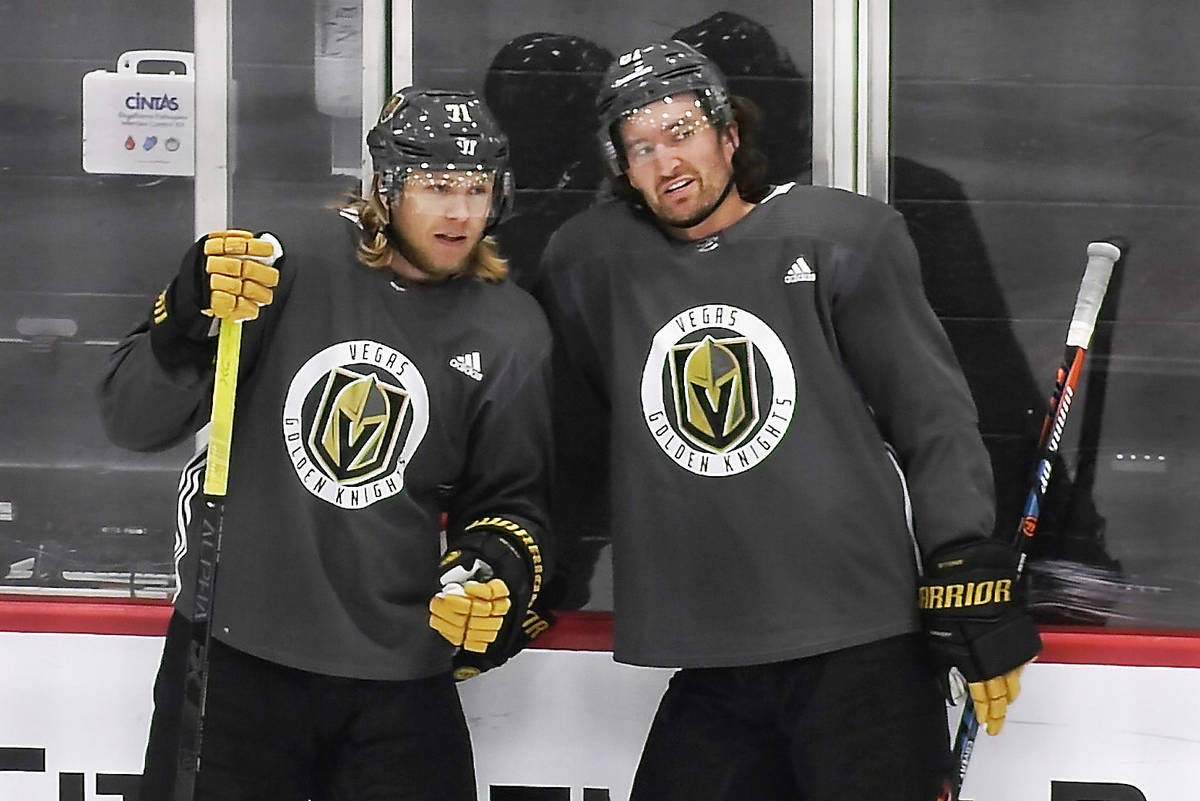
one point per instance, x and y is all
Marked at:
(374, 244)
(749, 163)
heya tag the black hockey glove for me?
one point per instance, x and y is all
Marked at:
(491, 577)
(974, 614)
(226, 274)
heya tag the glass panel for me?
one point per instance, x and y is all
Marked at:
(297, 123)
(84, 256)
(1022, 131)
(538, 64)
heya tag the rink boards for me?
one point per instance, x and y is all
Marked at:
(566, 723)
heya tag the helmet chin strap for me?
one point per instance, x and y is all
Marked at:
(716, 205)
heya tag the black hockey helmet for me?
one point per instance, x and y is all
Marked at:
(760, 70)
(422, 131)
(648, 74)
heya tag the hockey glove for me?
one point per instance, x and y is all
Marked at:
(993, 697)
(490, 580)
(472, 605)
(240, 272)
(975, 618)
(227, 275)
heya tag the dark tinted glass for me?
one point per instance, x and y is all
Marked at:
(539, 64)
(1022, 131)
(84, 255)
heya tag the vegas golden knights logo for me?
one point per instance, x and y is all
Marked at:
(716, 402)
(355, 414)
(718, 390)
(357, 425)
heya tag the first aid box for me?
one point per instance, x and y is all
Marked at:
(139, 122)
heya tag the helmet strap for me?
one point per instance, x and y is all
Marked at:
(724, 194)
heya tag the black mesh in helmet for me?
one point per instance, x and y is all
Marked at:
(648, 74)
(436, 129)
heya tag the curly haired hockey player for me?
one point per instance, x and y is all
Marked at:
(789, 442)
(377, 399)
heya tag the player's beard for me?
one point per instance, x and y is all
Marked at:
(424, 265)
(701, 214)
(706, 212)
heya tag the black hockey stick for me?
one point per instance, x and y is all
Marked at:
(216, 474)
(1102, 256)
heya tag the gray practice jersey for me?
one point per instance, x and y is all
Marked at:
(365, 412)
(767, 393)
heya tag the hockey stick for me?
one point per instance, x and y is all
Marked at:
(216, 475)
(1102, 257)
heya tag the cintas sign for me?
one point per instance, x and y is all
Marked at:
(139, 122)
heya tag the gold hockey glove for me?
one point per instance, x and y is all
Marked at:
(491, 577)
(240, 273)
(993, 697)
(471, 607)
(227, 274)
(973, 612)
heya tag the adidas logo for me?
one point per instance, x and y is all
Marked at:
(468, 364)
(799, 271)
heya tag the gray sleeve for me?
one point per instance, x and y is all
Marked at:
(509, 449)
(580, 499)
(145, 406)
(902, 360)
(155, 393)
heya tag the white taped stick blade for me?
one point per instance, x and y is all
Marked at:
(1101, 258)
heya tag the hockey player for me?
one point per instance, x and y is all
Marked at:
(790, 444)
(377, 399)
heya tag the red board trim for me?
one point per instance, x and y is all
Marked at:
(592, 631)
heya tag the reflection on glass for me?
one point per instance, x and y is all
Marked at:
(539, 65)
(1013, 148)
(84, 258)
